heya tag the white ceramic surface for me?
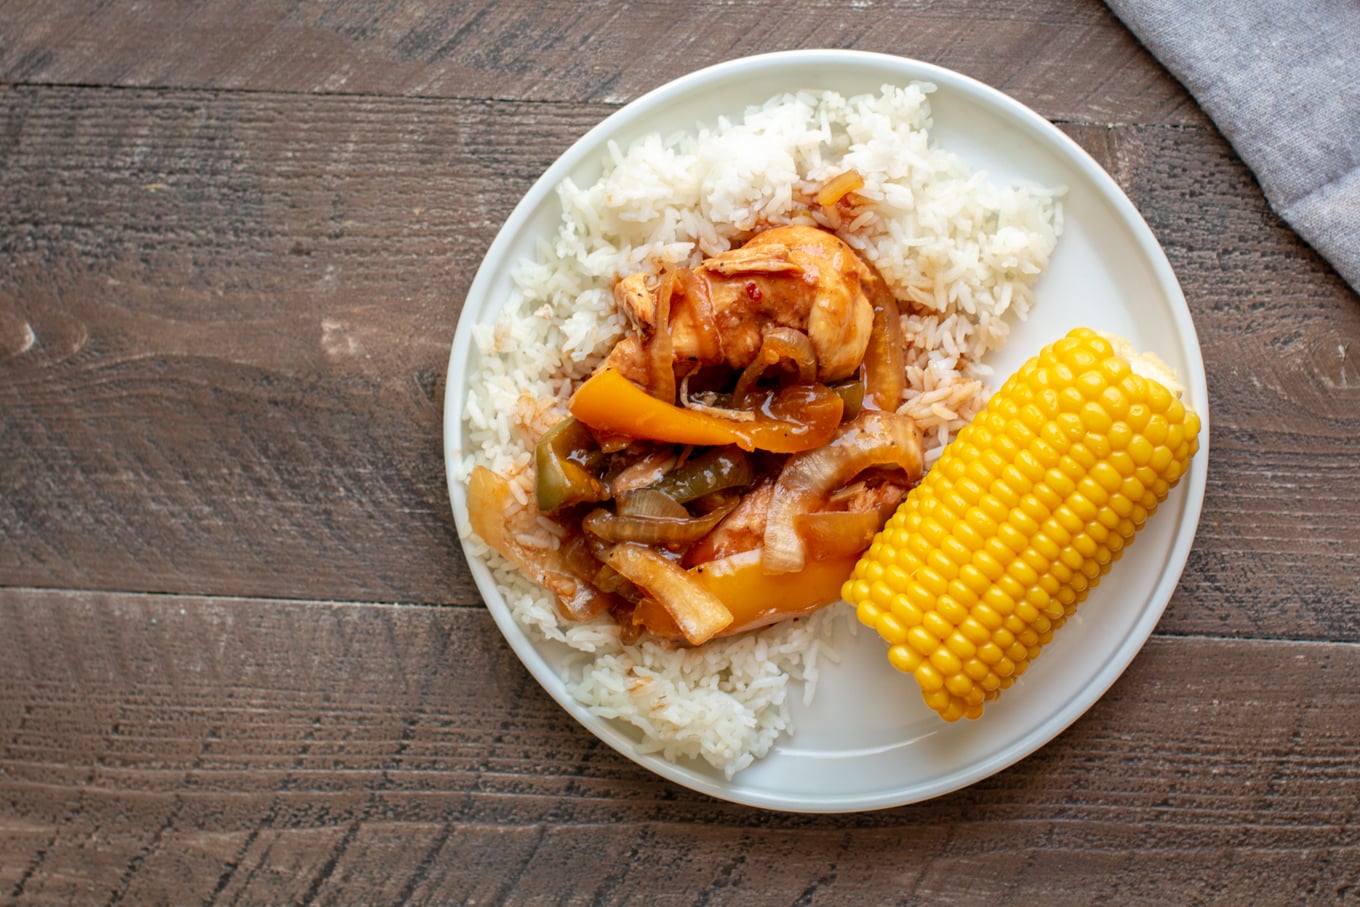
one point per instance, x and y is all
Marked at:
(867, 741)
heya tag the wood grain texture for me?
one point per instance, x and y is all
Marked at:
(189, 269)
(245, 660)
(244, 289)
(164, 748)
(1069, 61)
(1278, 547)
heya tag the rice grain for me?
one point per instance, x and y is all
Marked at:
(960, 253)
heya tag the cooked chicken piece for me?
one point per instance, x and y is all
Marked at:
(860, 496)
(645, 356)
(741, 530)
(794, 276)
(630, 360)
(635, 297)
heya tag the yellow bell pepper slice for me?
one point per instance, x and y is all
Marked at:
(754, 597)
(798, 418)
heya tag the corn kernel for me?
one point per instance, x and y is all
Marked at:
(945, 661)
(929, 677)
(920, 639)
(890, 628)
(989, 618)
(960, 646)
(935, 627)
(1023, 514)
(951, 611)
(973, 630)
(904, 658)
(962, 686)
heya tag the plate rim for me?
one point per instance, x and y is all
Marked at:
(1191, 489)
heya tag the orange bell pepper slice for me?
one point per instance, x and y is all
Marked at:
(755, 597)
(697, 614)
(795, 419)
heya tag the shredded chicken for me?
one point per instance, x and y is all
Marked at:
(742, 530)
(794, 277)
(719, 480)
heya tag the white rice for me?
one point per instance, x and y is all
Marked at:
(961, 254)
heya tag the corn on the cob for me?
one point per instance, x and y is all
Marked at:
(1019, 519)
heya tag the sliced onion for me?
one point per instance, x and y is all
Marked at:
(649, 502)
(885, 366)
(610, 581)
(742, 530)
(500, 520)
(698, 613)
(668, 531)
(658, 347)
(778, 344)
(838, 533)
(838, 187)
(755, 598)
(873, 438)
(646, 470)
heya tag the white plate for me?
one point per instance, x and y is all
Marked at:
(868, 741)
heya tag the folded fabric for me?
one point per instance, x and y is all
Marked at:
(1281, 80)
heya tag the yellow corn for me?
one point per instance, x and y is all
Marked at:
(1019, 519)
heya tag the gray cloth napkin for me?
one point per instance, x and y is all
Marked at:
(1281, 80)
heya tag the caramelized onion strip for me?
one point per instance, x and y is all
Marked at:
(502, 522)
(872, 439)
(698, 613)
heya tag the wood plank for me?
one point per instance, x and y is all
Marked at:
(1071, 61)
(255, 294)
(1279, 329)
(189, 270)
(234, 241)
(164, 748)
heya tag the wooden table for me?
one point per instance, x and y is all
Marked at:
(244, 658)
